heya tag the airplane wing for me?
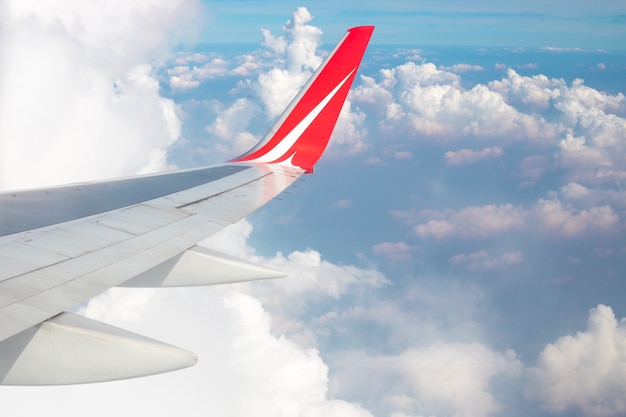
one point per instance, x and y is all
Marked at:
(60, 246)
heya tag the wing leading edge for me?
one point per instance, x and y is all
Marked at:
(60, 246)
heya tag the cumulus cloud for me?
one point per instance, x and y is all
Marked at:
(586, 371)
(299, 51)
(312, 278)
(183, 77)
(451, 379)
(584, 196)
(480, 261)
(191, 69)
(468, 156)
(567, 222)
(590, 123)
(533, 92)
(426, 100)
(295, 55)
(471, 222)
(246, 367)
(395, 251)
(78, 85)
(583, 127)
(228, 128)
(546, 216)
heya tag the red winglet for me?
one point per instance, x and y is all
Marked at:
(301, 133)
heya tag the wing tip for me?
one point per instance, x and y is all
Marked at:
(301, 134)
(364, 28)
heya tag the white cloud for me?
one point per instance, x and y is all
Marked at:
(481, 261)
(451, 379)
(299, 53)
(574, 191)
(463, 68)
(247, 368)
(229, 128)
(468, 156)
(395, 251)
(310, 276)
(548, 217)
(183, 77)
(472, 222)
(424, 100)
(566, 222)
(77, 87)
(533, 92)
(586, 371)
(589, 122)
(582, 126)
(349, 136)
(295, 56)
(371, 95)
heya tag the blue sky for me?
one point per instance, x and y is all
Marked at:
(582, 24)
(458, 252)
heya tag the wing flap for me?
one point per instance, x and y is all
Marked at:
(18, 257)
(201, 266)
(139, 219)
(71, 349)
(35, 296)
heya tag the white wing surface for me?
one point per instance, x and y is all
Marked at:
(60, 246)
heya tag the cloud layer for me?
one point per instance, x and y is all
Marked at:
(477, 205)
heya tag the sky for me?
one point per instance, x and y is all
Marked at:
(560, 23)
(458, 251)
